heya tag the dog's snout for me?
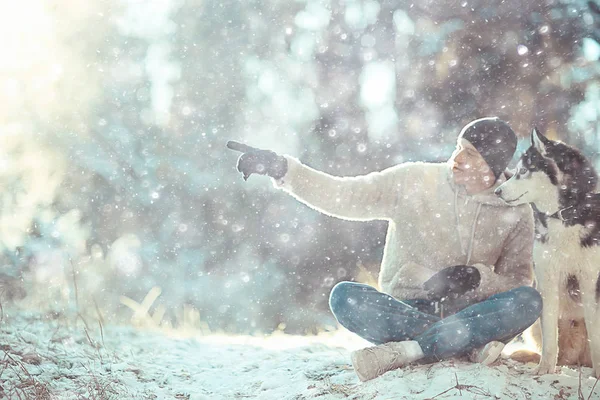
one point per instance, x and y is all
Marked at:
(498, 192)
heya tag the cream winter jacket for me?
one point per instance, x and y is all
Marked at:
(433, 224)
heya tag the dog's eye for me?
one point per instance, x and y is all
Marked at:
(522, 171)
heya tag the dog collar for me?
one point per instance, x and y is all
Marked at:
(565, 214)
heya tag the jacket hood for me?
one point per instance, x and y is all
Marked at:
(484, 197)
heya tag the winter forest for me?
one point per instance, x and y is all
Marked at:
(122, 206)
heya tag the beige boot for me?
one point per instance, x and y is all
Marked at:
(371, 362)
(487, 354)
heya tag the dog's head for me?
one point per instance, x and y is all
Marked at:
(549, 170)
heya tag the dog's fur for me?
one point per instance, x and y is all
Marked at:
(554, 177)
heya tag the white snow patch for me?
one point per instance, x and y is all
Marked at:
(133, 364)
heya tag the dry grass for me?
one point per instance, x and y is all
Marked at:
(27, 386)
(17, 382)
(335, 388)
(94, 387)
(146, 316)
(467, 388)
(580, 395)
(21, 384)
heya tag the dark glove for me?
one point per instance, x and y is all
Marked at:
(257, 161)
(452, 282)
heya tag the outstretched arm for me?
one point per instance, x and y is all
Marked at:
(361, 198)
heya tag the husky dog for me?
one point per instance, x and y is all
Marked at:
(560, 184)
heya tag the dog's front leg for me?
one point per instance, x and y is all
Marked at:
(547, 276)
(589, 298)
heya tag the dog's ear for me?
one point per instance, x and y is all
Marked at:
(539, 141)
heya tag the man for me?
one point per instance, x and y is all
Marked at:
(457, 263)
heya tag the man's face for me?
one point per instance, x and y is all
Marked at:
(469, 168)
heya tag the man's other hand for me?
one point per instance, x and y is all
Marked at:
(452, 282)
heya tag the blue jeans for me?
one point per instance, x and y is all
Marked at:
(380, 318)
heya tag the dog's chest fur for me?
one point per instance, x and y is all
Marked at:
(569, 250)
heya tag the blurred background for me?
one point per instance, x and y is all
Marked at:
(120, 201)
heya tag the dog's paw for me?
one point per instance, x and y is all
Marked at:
(525, 356)
(544, 368)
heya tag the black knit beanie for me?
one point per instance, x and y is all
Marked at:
(494, 140)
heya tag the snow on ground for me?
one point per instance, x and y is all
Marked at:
(45, 358)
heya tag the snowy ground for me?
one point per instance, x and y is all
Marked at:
(45, 358)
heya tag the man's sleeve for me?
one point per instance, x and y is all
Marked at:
(360, 198)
